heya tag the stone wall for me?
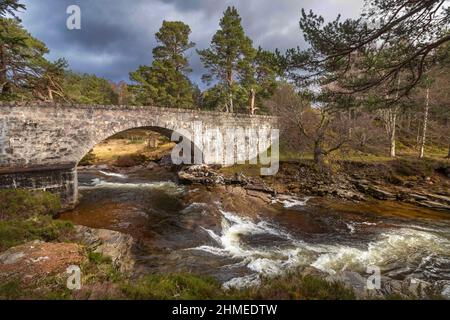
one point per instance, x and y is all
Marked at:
(60, 180)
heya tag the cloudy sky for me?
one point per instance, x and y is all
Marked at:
(117, 36)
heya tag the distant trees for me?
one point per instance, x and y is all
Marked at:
(165, 82)
(88, 89)
(25, 73)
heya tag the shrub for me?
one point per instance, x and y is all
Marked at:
(409, 167)
(88, 159)
(130, 160)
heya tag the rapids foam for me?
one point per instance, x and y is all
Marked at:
(113, 174)
(97, 183)
(399, 247)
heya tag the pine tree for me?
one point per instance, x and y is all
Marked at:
(165, 82)
(10, 7)
(230, 56)
(24, 71)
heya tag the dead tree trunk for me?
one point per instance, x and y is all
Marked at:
(390, 122)
(252, 101)
(425, 125)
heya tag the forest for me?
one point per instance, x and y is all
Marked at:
(375, 86)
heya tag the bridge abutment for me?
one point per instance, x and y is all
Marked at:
(60, 180)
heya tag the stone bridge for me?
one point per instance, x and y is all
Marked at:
(41, 144)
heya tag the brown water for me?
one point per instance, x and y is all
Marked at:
(236, 239)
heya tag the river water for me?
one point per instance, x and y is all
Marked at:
(213, 232)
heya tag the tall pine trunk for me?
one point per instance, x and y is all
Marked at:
(230, 107)
(425, 125)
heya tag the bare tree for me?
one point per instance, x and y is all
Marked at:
(325, 132)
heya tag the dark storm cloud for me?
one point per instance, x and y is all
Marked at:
(117, 36)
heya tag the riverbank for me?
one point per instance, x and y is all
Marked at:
(423, 183)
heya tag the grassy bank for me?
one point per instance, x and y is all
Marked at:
(293, 286)
(27, 216)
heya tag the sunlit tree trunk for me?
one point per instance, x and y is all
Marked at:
(425, 125)
(50, 94)
(252, 101)
(392, 136)
(390, 121)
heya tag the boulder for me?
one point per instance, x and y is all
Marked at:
(34, 261)
(116, 245)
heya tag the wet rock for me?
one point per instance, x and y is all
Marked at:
(116, 245)
(348, 194)
(260, 188)
(353, 280)
(445, 289)
(151, 165)
(375, 192)
(261, 195)
(435, 205)
(200, 174)
(437, 197)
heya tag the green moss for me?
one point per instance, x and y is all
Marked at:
(17, 203)
(45, 228)
(10, 290)
(98, 258)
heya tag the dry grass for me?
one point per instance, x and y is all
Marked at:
(110, 150)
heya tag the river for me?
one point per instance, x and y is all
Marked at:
(236, 240)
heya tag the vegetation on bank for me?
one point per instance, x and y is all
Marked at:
(184, 286)
(102, 281)
(27, 216)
